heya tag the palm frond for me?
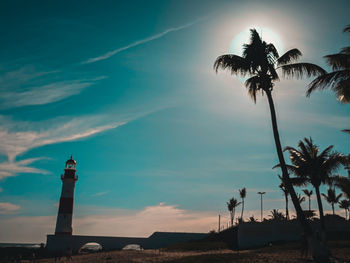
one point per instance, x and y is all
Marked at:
(345, 50)
(323, 81)
(289, 56)
(236, 64)
(271, 49)
(347, 29)
(253, 85)
(338, 61)
(300, 70)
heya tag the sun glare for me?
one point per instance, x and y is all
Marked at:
(267, 35)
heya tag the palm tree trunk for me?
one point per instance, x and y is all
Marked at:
(302, 219)
(233, 218)
(309, 203)
(320, 207)
(242, 209)
(333, 208)
(346, 214)
(287, 212)
(319, 248)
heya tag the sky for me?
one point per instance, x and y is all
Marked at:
(161, 141)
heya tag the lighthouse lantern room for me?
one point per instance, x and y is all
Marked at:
(65, 210)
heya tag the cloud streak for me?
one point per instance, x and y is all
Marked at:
(8, 208)
(140, 42)
(20, 137)
(27, 86)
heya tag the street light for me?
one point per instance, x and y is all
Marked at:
(261, 198)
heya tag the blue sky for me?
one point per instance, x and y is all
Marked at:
(161, 141)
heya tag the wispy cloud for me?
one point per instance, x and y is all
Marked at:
(43, 94)
(9, 169)
(140, 42)
(8, 208)
(28, 86)
(20, 137)
(100, 193)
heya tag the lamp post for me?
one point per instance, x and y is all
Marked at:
(261, 201)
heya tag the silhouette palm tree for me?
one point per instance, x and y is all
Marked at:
(276, 215)
(285, 193)
(345, 204)
(231, 206)
(313, 167)
(332, 198)
(300, 198)
(308, 194)
(260, 62)
(339, 79)
(242, 194)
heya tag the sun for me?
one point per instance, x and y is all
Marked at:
(267, 35)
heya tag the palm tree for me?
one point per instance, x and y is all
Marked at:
(332, 198)
(313, 167)
(308, 194)
(260, 61)
(242, 194)
(300, 198)
(339, 79)
(231, 206)
(285, 193)
(345, 204)
(276, 215)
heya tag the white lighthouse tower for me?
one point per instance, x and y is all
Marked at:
(65, 210)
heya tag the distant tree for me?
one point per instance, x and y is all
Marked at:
(339, 79)
(309, 214)
(308, 194)
(285, 193)
(276, 215)
(231, 206)
(315, 167)
(345, 204)
(301, 199)
(242, 194)
(332, 198)
(252, 219)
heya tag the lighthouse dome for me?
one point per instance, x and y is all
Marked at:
(71, 163)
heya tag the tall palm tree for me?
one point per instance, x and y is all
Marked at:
(308, 194)
(242, 194)
(339, 79)
(345, 204)
(260, 62)
(332, 198)
(231, 206)
(314, 167)
(285, 193)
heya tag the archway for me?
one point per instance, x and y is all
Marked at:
(132, 247)
(90, 247)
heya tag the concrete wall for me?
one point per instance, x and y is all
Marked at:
(259, 234)
(156, 240)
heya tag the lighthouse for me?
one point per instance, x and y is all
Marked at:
(65, 210)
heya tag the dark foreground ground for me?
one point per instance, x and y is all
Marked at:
(288, 253)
